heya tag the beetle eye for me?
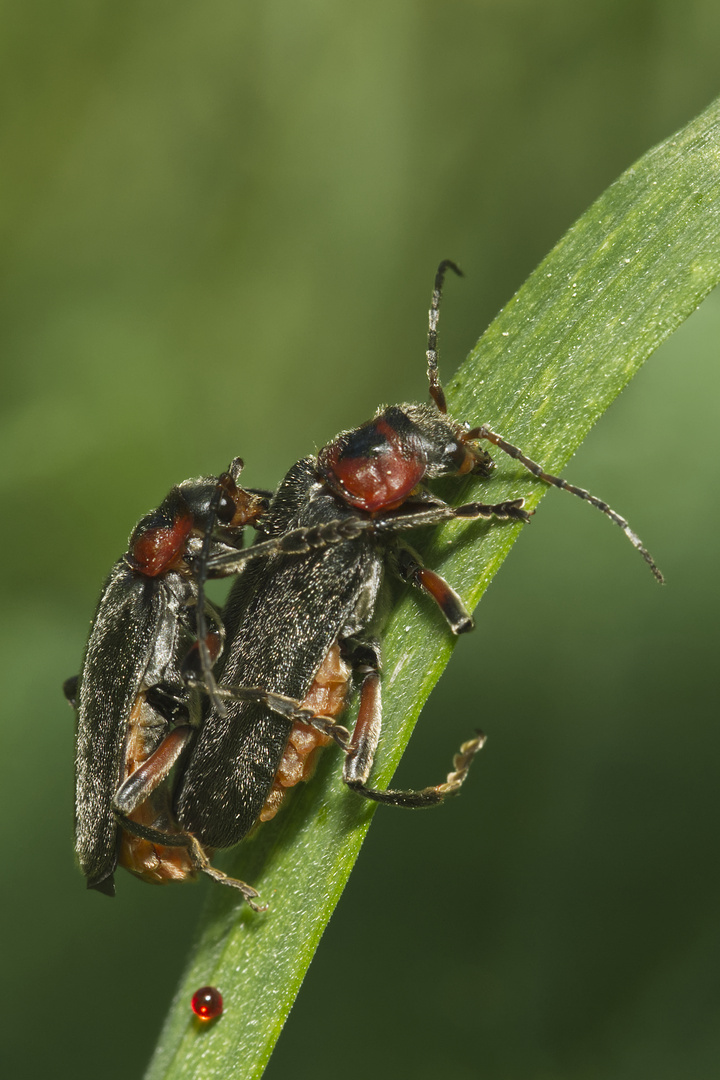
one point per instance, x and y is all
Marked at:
(226, 508)
(461, 458)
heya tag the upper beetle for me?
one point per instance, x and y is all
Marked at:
(304, 628)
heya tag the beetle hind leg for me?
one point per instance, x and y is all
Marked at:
(365, 738)
(141, 804)
(202, 863)
(197, 855)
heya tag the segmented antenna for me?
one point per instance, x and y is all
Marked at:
(210, 685)
(484, 432)
(436, 391)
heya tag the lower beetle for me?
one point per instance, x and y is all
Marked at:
(135, 713)
(306, 628)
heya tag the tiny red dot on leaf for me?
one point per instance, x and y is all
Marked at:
(207, 1003)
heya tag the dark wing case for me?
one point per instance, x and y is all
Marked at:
(282, 616)
(133, 636)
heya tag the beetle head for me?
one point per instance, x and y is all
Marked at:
(377, 466)
(160, 541)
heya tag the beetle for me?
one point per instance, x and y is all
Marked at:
(307, 629)
(135, 711)
(138, 694)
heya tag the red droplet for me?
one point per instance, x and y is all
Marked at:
(207, 1003)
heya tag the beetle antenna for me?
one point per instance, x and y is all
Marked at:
(436, 391)
(210, 684)
(484, 432)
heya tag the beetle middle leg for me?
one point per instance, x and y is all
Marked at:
(409, 567)
(366, 735)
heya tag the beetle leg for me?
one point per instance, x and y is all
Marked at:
(311, 538)
(196, 853)
(510, 510)
(408, 566)
(140, 785)
(295, 542)
(202, 863)
(143, 781)
(170, 702)
(358, 763)
(288, 707)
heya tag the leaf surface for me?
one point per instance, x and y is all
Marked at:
(625, 275)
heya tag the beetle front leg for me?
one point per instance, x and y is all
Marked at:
(365, 738)
(306, 539)
(434, 511)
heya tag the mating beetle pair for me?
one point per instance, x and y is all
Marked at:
(301, 625)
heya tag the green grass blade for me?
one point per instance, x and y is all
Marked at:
(631, 269)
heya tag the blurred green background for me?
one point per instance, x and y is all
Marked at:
(220, 223)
